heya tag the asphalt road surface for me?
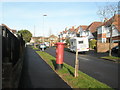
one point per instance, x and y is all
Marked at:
(102, 70)
(36, 73)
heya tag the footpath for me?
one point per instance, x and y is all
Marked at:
(37, 74)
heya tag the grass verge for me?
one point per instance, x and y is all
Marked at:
(112, 58)
(34, 48)
(67, 74)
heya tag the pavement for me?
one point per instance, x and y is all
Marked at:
(37, 74)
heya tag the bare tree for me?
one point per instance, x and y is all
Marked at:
(105, 14)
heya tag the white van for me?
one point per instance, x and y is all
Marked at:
(79, 43)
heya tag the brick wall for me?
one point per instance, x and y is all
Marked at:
(104, 47)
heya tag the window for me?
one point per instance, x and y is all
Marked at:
(71, 43)
(103, 40)
(80, 42)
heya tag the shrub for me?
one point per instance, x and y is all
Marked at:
(93, 43)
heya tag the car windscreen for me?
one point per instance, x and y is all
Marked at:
(80, 42)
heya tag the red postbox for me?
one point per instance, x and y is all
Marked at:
(59, 55)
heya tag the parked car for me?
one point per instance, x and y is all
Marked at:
(47, 44)
(115, 49)
(42, 47)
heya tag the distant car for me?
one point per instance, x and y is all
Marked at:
(42, 46)
(47, 44)
(115, 49)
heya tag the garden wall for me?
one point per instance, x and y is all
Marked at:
(104, 47)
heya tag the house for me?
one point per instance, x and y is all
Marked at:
(92, 29)
(77, 31)
(63, 36)
(36, 39)
(103, 34)
(46, 39)
(82, 31)
(60, 36)
(53, 39)
(71, 32)
(104, 30)
(67, 34)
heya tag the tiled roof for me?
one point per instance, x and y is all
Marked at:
(115, 20)
(36, 37)
(93, 26)
(72, 29)
(52, 36)
(84, 27)
(76, 30)
(65, 31)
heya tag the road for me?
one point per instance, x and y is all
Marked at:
(102, 70)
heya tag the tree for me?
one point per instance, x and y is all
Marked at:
(107, 12)
(26, 35)
(67, 42)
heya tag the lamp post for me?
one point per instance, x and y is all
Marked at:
(43, 26)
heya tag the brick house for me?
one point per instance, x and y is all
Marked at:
(53, 39)
(83, 31)
(71, 32)
(104, 34)
(92, 30)
(104, 30)
(66, 34)
(36, 40)
(77, 31)
(63, 36)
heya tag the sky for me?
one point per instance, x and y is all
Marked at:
(30, 15)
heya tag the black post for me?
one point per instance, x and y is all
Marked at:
(59, 66)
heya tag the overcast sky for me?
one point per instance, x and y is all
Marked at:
(29, 15)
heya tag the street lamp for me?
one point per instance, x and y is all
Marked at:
(43, 26)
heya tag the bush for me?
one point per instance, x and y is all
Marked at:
(93, 43)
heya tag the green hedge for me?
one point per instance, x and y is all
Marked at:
(92, 43)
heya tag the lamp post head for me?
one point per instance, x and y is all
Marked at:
(45, 15)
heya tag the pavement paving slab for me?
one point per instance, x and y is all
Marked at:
(37, 74)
